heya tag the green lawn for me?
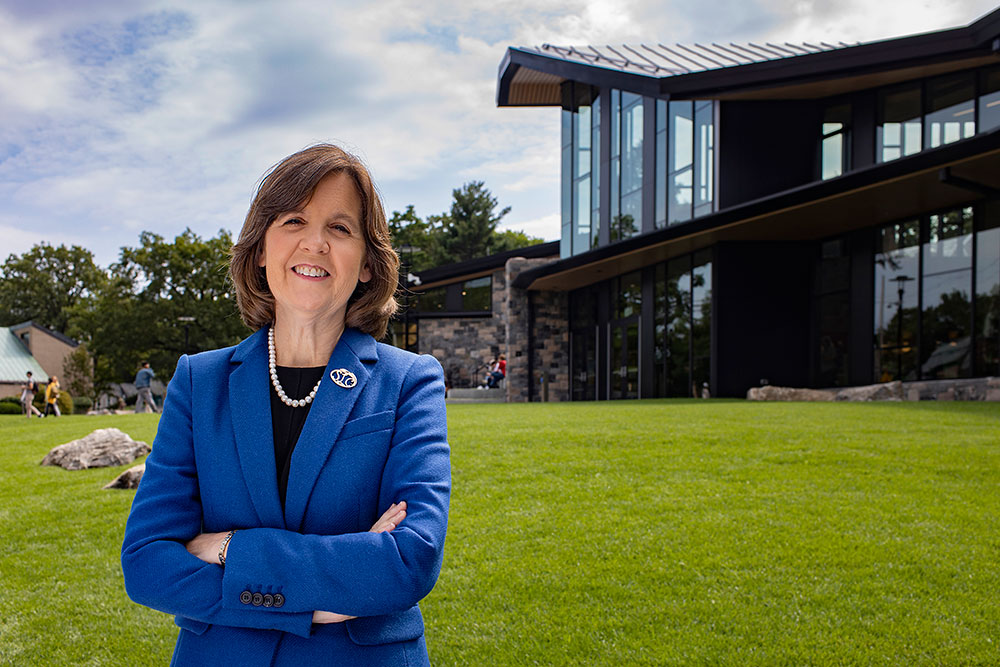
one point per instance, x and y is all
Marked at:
(652, 532)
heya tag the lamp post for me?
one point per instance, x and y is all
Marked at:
(187, 320)
(900, 281)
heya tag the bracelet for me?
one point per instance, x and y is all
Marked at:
(222, 548)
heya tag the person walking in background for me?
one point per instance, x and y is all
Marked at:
(144, 399)
(28, 391)
(52, 397)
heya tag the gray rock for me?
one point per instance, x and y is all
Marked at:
(103, 448)
(886, 391)
(772, 393)
(129, 479)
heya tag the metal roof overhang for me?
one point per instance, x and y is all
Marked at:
(934, 179)
(532, 79)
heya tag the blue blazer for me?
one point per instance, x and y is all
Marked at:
(362, 448)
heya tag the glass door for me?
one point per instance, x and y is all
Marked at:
(624, 371)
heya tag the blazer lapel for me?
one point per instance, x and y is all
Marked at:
(250, 408)
(329, 411)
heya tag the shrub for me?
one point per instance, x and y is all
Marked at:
(82, 403)
(8, 408)
(16, 400)
(65, 401)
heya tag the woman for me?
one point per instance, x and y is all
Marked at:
(294, 506)
(51, 397)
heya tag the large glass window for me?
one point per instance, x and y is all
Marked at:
(628, 220)
(477, 294)
(686, 160)
(897, 269)
(402, 332)
(680, 178)
(989, 99)
(470, 297)
(899, 129)
(947, 296)
(624, 336)
(615, 111)
(583, 336)
(987, 327)
(432, 300)
(683, 326)
(950, 289)
(595, 171)
(580, 168)
(628, 295)
(566, 184)
(701, 322)
(835, 142)
(951, 109)
(660, 205)
(704, 171)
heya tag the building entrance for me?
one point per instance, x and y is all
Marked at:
(624, 371)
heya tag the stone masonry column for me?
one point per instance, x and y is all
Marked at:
(518, 379)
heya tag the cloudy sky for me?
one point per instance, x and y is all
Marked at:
(118, 116)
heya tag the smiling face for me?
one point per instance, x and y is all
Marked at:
(315, 257)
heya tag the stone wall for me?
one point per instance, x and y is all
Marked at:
(463, 344)
(550, 334)
(551, 343)
(973, 389)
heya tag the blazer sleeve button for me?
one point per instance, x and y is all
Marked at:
(268, 600)
(246, 597)
(258, 599)
(279, 600)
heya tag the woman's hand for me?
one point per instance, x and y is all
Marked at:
(330, 617)
(390, 519)
(206, 547)
(385, 524)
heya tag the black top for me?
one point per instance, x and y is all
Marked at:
(286, 421)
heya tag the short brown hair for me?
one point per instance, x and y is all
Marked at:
(287, 187)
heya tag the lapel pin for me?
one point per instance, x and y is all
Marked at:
(343, 378)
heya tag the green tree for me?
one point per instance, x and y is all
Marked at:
(45, 283)
(78, 374)
(466, 232)
(136, 316)
(410, 238)
(510, 239)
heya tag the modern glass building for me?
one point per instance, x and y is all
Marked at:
(809, 215)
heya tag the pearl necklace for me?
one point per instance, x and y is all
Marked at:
(290, 402)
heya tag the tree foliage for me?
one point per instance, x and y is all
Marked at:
(78, 373)
(136, 316)
(45, 283)
(132, 310)
(467, 231)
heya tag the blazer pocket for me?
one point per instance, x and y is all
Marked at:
(191, 625)
(373, 630)
(379, 421)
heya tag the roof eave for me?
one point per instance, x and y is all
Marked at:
(594, 75)
(981, 37)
